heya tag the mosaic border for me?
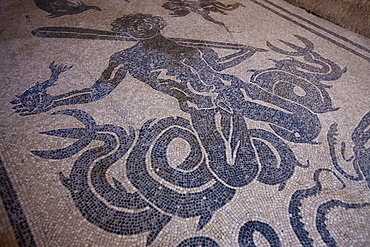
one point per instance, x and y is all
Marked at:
(14, 210)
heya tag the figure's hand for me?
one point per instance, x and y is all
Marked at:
(32, 101)
(57, 69)
(35, 100)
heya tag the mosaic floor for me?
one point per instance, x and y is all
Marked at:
(182, 123)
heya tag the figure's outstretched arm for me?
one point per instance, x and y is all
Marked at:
(101, 88)
(36, 100)
(221, 63)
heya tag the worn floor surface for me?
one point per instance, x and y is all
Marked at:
(182, 123)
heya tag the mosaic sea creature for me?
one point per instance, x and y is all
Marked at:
(154, 200)
(361, 157)
(146, 217)
(58, 8)
(35, 99)
(360, 137)
(201, 7)
(296, 208)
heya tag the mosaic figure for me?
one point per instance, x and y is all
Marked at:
(192, 76)
(58, 8)
(212, 98)
(225, 154)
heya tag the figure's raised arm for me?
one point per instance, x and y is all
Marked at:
(36, 99)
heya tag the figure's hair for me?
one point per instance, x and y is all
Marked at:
(126, 22)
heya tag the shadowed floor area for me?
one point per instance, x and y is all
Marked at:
(353, 14)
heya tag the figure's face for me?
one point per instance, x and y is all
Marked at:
(143, 30)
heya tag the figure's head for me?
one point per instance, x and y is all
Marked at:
(139, 25)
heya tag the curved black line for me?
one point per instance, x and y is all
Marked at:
(332, 132)
(323, 210)
(246, 234)
(198, 242)
(295, 205)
